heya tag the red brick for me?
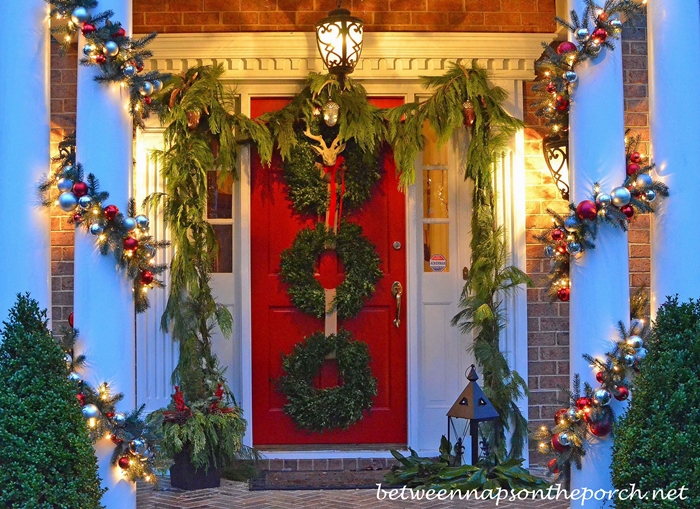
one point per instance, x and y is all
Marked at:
(392, 18)
(201, 18)
(359, 6)
(408, 5)
(258, 5)
(435, 19)
(446, 5)
(223, 5)
(521, 6)
(163, 18)
(483, 5)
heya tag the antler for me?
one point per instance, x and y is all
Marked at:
(329, 154)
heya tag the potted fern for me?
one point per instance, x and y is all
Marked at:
(202, 438)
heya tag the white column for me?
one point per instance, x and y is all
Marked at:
(674, 80)
(600, 278)
(24, 151)
(104, 309)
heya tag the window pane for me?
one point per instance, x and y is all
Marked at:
(432, 155)
(219, 196)
(435, 194)
(224, 259)
(436, 247)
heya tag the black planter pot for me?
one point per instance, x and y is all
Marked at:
(184, 476)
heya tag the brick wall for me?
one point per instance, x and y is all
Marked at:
(64, 74)
(170, 16)
(548, 323)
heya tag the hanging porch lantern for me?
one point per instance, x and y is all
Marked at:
(339, 40)
(555, 149)
(473, 406)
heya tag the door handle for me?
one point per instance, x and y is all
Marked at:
(397, 292)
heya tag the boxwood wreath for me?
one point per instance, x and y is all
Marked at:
(308, 189)
(334, 407)
(358, 256)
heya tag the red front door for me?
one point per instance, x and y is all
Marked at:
(277, 325)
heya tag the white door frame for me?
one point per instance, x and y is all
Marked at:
(276, 64)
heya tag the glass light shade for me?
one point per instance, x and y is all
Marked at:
(339, 39)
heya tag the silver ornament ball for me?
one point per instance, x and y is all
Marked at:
(594, 48)
(74, 377)
(582, 34)
(119, 419)
(549, 111)
(89, 49)
(620, 196)
(146, 455)
(137, 447)
(574, 248)
(157, 86)
(572, 414)
(602, 396)
(330, 113)
(146, 88)
(128, 70)
(80, 15)
(603, 199)
(85, 202)
(68, 358)
(96, 229)
(90, 411)
(629, 359)
(616, 25)
(643, 181)
(650, 195)
(571, 76)
(64, 185)
(564, 439)
(67, 202)
(572, 224)
(111, 49)
(129, 223)
(142, 221)
(149, 251)
(642, 353)
(635, 342)
(549, 251)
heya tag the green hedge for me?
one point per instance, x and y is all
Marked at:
(46, 457)
(657, 443)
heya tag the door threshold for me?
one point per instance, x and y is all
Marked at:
(329, 451)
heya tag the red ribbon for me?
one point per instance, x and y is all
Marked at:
(333, 170)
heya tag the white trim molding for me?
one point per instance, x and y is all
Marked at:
(385, 55)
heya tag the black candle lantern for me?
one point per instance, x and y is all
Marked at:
(339, 38)
(473, 406)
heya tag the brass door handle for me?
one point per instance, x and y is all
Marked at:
(397, 292)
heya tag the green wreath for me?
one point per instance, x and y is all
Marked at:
(308, 191)
(358, 256)
(334, 407)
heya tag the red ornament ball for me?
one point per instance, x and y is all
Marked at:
(130, 244)
(116, 440)
(88, 29)
(564, 294)
(583, 402)
(551, 88)
(77, 218)
(586, 210)
(557, 234)
(111, 212)
(632, 168)
(80, 189)
(599, 34)
(603, 16)
(100, 59)
(120, 33)
(600, 428)
(552, 466)
(566, 47)
(139, 66)
(70, 319)
(599, 377)
(147, 100)
(81, 398)
(146, 277)
(622, 393)
(109, 415)
(557, 445)
(628, 211)
(636, 157)
(124, 462)
(559, 415)
(561, 103)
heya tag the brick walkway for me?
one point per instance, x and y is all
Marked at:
(235, 495)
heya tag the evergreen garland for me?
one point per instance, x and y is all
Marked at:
(335, 407)
(357, 255)
(200, 136)
(464, 96)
